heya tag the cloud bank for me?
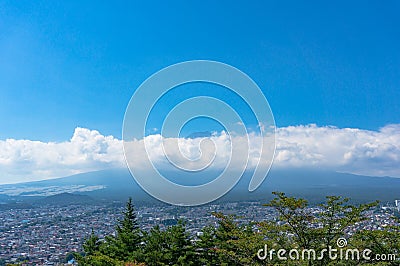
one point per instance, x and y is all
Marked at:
(87, 150)
(375, 153)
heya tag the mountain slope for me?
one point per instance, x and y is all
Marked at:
(66, 199)
(314, 185)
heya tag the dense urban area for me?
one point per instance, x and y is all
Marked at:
(48, 235)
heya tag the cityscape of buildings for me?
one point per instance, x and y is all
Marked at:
(48, 235)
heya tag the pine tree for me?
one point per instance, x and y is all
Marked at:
(155, 250)
(126, 243)
(207, 246)
(169, 247)
(92, 244)
(234, 243)
(237, 243)
(180, 247)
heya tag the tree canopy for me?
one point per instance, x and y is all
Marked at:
(238, 243)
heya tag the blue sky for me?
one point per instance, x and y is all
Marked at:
(76, 63)
(330, 71)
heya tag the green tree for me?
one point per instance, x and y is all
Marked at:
(336, 217)
(169, 247)
(92, 244)
(126, 243)
(317, 230)
(180, 246)
(97, 259)
(386, 241)
(155, 250)
(206, 247)
(237, 243)
(231, 243)
(296, 217)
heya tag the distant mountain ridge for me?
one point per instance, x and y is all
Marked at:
(314, 185)
(66, 199)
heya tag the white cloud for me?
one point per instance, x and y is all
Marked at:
(87, 150)
(341, 149)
